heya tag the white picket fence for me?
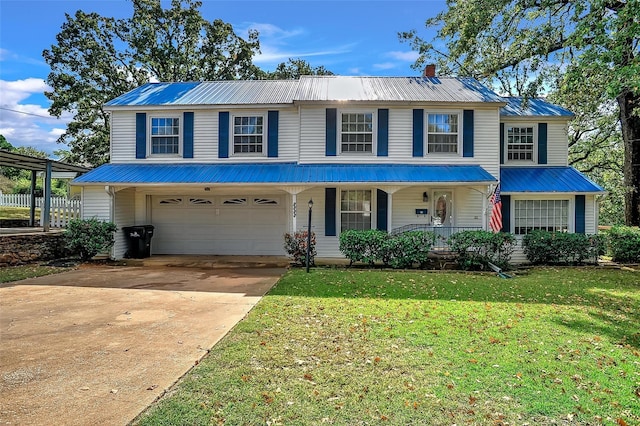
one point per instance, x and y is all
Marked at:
(61, 212)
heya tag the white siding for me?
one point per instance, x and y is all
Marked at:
(486, 136)
(590, 215)
(557, 144)
(205, 136)
(96, 203)
(124, 215)
(123, 136)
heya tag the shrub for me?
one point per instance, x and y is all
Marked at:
(88, 237)
(364, 246)
(296, 247)
(476, 249)
(543, 247)
(409, 248)
(624, 243)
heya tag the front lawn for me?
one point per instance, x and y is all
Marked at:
(22, 272)
(360, 347)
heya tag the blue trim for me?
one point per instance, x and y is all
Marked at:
(285, 173)
(187, 135)
(330, 212)
(467, 133)
(332, 128)
(141, 135)
(542, 143)
(502, 143)
(418, 132)
(506, 212)
(223, 134)
(383, 132)
(580, 214)
(272, 135)
(381, 210)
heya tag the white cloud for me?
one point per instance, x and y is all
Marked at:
(410, 56)
(385, 66)
(26, 123)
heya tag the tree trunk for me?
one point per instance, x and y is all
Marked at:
(630, 123)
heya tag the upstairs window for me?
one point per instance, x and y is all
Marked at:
(248, 134)
(165, 135)
(357, 132)
(443, 134)
(520, 143)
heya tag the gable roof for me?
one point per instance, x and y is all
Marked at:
(309, 89)
(546, 180)
(533, 107)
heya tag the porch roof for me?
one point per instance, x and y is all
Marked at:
(282, 173)
(546, 180)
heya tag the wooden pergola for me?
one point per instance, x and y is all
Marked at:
(35, 164)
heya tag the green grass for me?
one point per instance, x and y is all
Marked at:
(360, 347)
(17, 213)
(22, 272)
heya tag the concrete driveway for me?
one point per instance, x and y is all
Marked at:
(97, 345)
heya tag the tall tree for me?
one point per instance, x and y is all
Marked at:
(526, 47)
(295, 68)
(98, 58)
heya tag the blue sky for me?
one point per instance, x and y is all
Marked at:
(348, 37)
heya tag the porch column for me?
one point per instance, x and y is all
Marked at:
(390, 190)
(32, 209)
(46, 209)
(485, 206)
(294, 191)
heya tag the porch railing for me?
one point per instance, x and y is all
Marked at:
(442, 232)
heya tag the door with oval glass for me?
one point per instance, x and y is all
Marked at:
(442, 208)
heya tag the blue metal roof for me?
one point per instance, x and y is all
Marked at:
(281, 173)
(545, 179)
(533, 107)
(154, 94)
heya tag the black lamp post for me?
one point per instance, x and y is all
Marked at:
(309, 234)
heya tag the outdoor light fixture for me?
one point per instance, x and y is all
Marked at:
(425, 197)
(309, 234)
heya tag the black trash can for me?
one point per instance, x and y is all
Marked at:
(139, 238)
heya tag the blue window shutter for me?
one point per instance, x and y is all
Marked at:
(331, 130)
(381, 210)
(501, 143)
(383, 133)
(580, 214)
(418, 132)
(506, 213)
(141, 135)
(187, 135)
(272, 137)
(467, 133)
(542, 143)
(223, 134)
(330, 212)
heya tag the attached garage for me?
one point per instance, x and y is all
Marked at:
(219, 225)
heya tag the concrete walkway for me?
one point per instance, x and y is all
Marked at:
(97, 345)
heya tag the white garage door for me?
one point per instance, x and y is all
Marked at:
(237, 225)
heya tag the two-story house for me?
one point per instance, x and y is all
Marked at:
(227, 167)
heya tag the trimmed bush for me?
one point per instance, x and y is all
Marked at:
(476, 249)
(543, 247)
(296, 247)
(624, 243)
(410, 248)
(364, 246)
(88, 237)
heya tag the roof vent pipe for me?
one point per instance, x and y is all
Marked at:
(429, 71)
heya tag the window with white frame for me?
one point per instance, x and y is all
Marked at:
(546, 215)
(355, 209)
(165, 135)
(248, 134)
(520, 143)
(443, 134)
(356, 132)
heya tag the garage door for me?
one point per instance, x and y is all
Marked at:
(239, 225)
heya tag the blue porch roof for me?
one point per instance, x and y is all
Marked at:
(281, 173)
(546, 180)
(534, 107)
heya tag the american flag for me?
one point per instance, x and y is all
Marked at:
(495, 222)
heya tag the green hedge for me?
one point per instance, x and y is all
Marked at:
(399, 251)
(624, 243)
(88, 237)
(476, 249)
(543, 247)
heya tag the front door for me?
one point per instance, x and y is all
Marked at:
(443, 208)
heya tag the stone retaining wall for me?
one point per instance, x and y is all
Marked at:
(14, 223)
(19, 249)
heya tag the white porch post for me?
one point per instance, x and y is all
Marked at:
(484, 211)
(294, 191)
(390, 190)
